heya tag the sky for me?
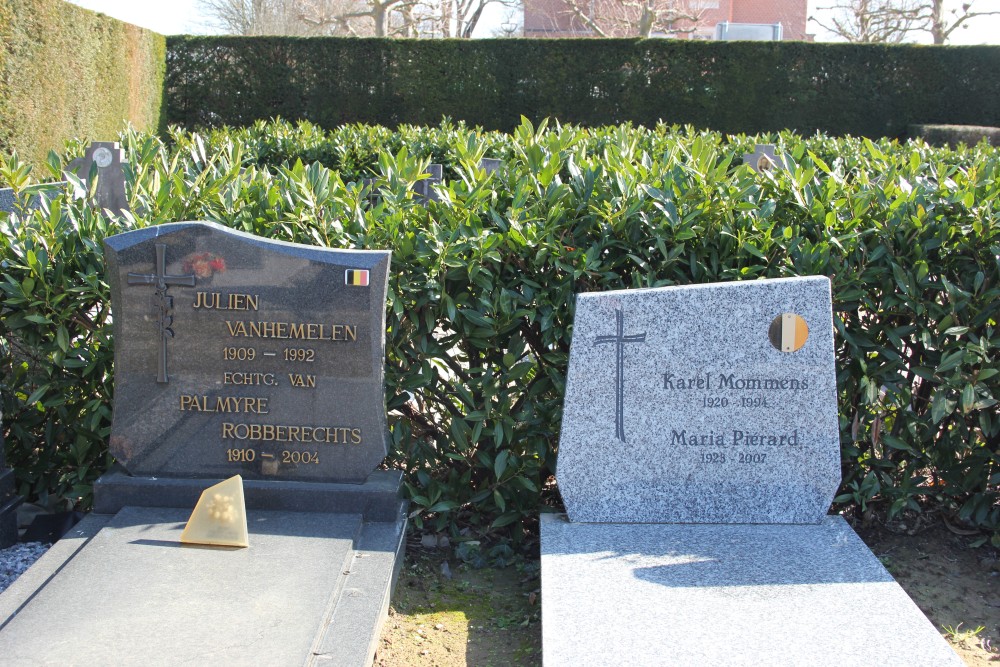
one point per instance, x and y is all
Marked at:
(183, 17)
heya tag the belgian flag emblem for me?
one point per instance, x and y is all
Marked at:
(356, 277)
(788, 332)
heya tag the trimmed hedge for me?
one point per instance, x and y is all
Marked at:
(859, 89)
(480, 307)
(953, 135)
(67, 72)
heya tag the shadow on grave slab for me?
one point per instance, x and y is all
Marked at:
(718, 555)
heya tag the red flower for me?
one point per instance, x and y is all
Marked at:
(204, 264)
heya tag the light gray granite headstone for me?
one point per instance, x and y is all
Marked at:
(702, 404)
(104, 158)
(31, 197)
(424, 189)
(7, 200)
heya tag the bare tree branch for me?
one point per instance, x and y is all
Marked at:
(379, 18)
(628, 18)
(895, 21)
(876, 21)
(941, 25)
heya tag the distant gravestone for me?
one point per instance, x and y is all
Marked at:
(490, 165)
(104, 158)
(425, 188)
(30, 198)
(236, 354)
(725, 394)
(9, 502)
(107, 157)
(762, 159)
(698, 457)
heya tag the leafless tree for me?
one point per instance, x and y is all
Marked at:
(379, 18)
(878, 21)
(511, 26)
(625, 18)
(275, 17)
(940, 24)
(895, 21)
(386, 18)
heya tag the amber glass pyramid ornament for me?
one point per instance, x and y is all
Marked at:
(220, 517)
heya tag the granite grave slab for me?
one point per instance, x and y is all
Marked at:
(234, 355)
(690, 595)
(698, 458)
(693, 389)
(265, 605)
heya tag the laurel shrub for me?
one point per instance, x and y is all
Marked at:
(480, 306)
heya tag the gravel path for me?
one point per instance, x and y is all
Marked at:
(18, 558)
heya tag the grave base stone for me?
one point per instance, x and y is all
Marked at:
(377, 499)
(312, 589)
(9, 502)
(8, 508)
(703, 594)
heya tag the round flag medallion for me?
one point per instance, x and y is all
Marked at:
(788, 332)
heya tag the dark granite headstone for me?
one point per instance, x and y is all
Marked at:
(105, 159)
(233, 354)
(8, 501)
(425, 188)
(236, 354)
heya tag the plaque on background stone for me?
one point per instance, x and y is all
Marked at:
(764, 159)
(236, 354)
(702, 404)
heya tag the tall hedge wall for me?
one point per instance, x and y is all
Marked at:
(67, 72)
(870, 90)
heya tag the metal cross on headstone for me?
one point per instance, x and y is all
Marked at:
(164, 302)
(620, 339)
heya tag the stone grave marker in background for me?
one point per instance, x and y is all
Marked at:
(107, 156)
(490, 165)
(424, 189)
(31, 197)
(698, 457)
(9, 502)
(234, 355)
(764, 159)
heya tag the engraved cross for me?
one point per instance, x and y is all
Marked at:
(620, 339)
(164, 302)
